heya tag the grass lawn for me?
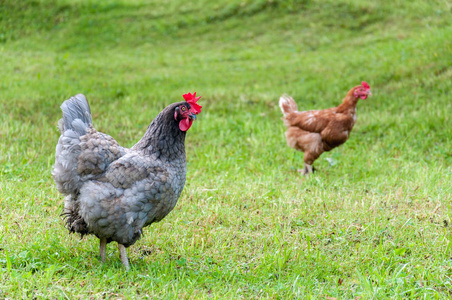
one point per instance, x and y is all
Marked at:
(373, 222)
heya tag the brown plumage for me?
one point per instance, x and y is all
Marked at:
(316, 131)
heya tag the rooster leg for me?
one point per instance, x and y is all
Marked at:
(123, 254)
(103, 249)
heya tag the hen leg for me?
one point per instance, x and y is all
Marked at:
(308, 142)
(103, 249)
(123, 254)
(307, 169)
(309, 158)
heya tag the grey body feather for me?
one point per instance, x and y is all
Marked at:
(111, 191)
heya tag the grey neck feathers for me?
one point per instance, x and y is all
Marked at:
(163, 138)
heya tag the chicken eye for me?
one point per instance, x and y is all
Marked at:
(183, 108)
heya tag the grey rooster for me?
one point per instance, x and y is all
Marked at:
(112, 191)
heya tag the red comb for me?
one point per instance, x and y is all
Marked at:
(192, 99)
(365, 85)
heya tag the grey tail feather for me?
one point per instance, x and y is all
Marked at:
(76, 108)
(75, 223)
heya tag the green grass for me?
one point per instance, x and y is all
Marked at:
(373, 224)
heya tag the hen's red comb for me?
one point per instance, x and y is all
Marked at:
(192, 99)
(365, 85)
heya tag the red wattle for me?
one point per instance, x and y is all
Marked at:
(185, 124)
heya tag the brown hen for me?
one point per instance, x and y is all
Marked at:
(316, 131)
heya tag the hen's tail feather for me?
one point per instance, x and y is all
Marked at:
(75, 123)
(76, 114)
(75, 223)
(287, 104)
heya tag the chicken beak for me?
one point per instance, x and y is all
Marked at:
(369, 93)
(192, 116)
